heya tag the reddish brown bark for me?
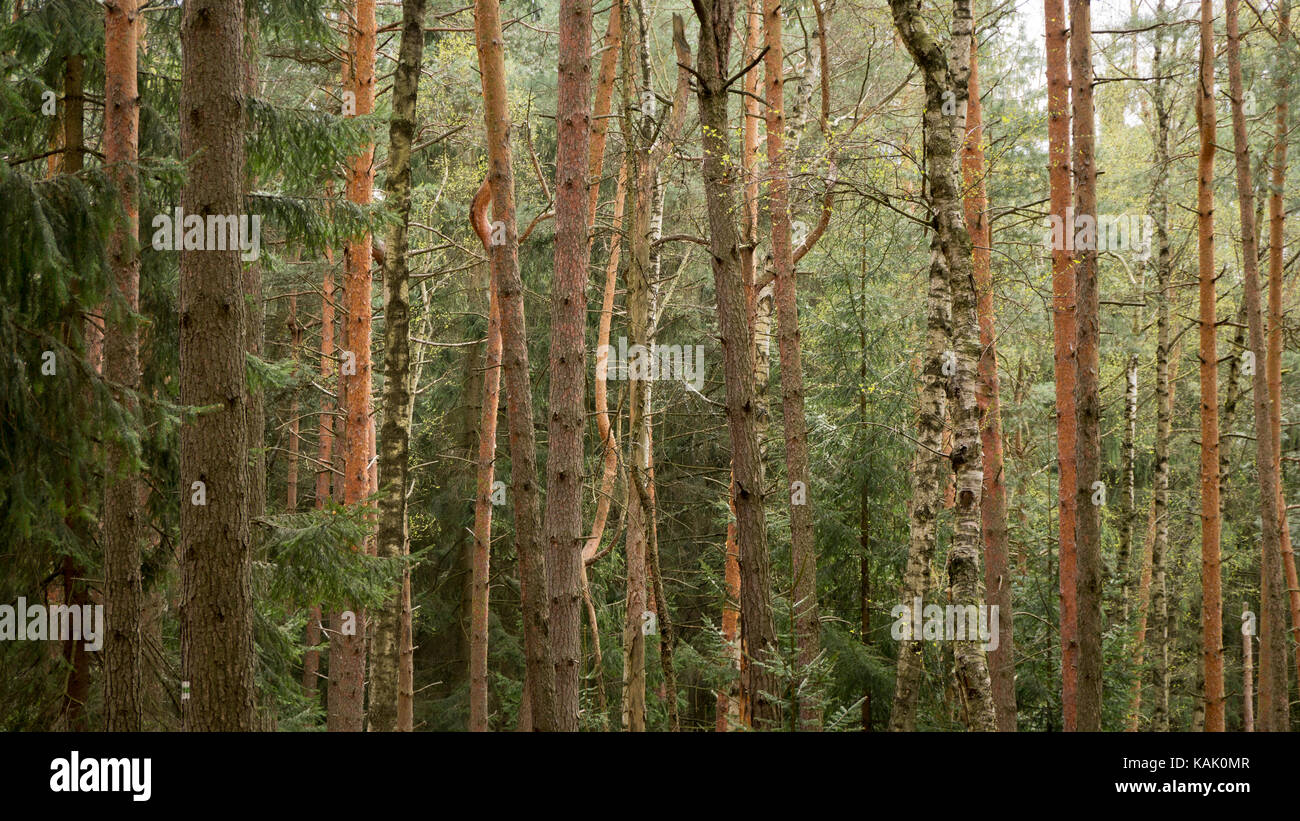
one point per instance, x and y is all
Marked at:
(1273, 695)
(993, 500)
(1063, 330)
(348, 652)
(217, 649)
(1211, 605)
(566, 422)
(122, 526)
(1276, 226)
(1087, 387)
(604, 100)
(487, 448)
(794, 424)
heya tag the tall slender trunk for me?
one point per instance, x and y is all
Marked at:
(122, 531)
(254, 315)
(946, 94)
(605, 431)
(519, 400)
(803, 547)
(1086, 390)
(600, 118)
(566, 423)
(1273, 695)
(1166, 364)
(1128, 475)
(293, 440)
(487, 449)
(324, 457)
(1063, 332)
(1211, 606)
(993, 500)
(1276, 237)
(731, 709)
(638, 126)
(69, 158)
(757, 628)
(217, 653)
(485, 468)
(1150, 596)
(386, 686)
(347, 651)
(668, 135)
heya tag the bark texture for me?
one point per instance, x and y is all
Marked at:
(122, 526)
(1273, 696)
(758, 631)
(386, 685)
(519, 401)
(216, 563)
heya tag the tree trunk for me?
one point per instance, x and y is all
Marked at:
(1149, 597)
(638, 127)
(929, 474)
(731, 708)
(217, 653)
(324, 457)
(1276, 226)
(803, 546)
(1086, 390)
(567, 420)
(487, 448)
(348, 652)
(122, 527)
(386, 685)
(254, 318)
(993, 499)
(1063, 331)
(1211, 605)
(946, 89)
(1166, 364)
(757, 628)
(1273, 695)
(600, 110)
(519, 400)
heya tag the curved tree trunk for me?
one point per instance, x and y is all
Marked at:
(487, 449)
